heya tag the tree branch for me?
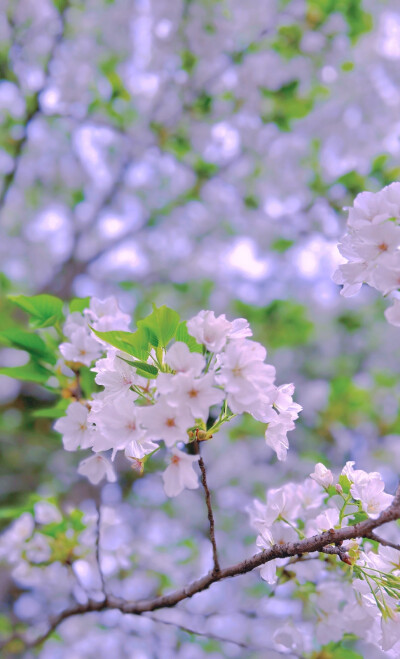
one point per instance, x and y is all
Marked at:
(382, 541)
(316, 543)
(337, 551)
(202, 466)
(63, 281)
(33, 111)
(98, 529)
(219, 639)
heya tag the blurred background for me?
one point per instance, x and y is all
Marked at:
(198, 154)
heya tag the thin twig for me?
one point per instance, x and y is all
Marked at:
(219, 639)
(63, 281)
(288, 550)
(34, 110)
(337, 551)
(202, 466)
(98, 530)
(382, 541)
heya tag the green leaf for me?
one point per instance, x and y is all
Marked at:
(281, 323)
(76, 517)
(160, 326)
(46, 310)
(143, 368)
(358, 517)
(28, 341)
(54, 412)
(133, 343)
(338, 651)
(183, 335)
(204, 170)
(30, 372)
(288, 42)
(189, 61)
(12, 512)
(5, 625)
(281, 245)
(344, 483)
(5, 284)
(250, 201)
(79, 304)
(87, 381)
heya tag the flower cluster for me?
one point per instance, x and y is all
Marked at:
(42, 536)
(372, 246)
(83, 346)
(361, 596)
(157, 390)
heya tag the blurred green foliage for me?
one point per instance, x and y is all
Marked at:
(281, 323)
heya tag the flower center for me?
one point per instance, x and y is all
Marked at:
(193, 393)
(383, 247)
(170, 423)
(175, 459)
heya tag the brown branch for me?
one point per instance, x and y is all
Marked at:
(316, 543)
(210, 515)
(337, 551)
(382, 541)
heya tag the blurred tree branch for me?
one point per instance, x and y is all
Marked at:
(317, 543)
(33, 109)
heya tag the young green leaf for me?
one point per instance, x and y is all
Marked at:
(79, 304)
(45, 310)
(143, 368)
(160, 326)
(133, 343)
(30, 372)
(344, 483)
(183, 335)
(54, 412)
(88, 382)
(28, 341)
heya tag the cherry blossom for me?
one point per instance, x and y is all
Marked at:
(82, 348)
(163, 421)
(195, 394)
(180, 473)
(322, 475)
(97, 467)
(209, 330)
(75, 427)
(181, 360)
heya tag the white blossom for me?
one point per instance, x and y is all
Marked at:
(95, 468)
(76, 429)
(195, 394)
(322, 475)
(209, 330)
(180, 473)
(162, 421)
(372, 496)
(82, 348)
(181, 360)
(46, 513)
